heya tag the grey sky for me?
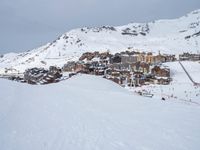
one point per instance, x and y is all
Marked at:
(27, 24)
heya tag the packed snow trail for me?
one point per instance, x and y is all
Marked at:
(195, 83)
(91, 113)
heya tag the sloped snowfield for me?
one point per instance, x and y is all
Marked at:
(194, 69)
(91, 113)
(181, 88)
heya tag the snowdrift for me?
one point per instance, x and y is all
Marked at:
(87, 113)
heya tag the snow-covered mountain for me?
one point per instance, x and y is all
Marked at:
(168, 36)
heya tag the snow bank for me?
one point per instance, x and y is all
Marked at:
(87, 113)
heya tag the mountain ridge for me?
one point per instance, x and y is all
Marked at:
(167, 36)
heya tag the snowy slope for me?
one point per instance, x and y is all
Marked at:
(194, 70)
(168, 36)
(91, 113)
(181, 88)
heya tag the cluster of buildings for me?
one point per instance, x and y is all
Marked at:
(42, 76)
(38, 75)
(128, 68)
(189, 57)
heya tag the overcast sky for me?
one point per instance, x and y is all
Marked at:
(27, 24)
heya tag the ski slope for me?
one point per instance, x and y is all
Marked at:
(92, 113)
(193, 69)
(181, 88)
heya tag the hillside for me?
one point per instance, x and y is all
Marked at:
(101, 116)
(181, 88)
(168, 36)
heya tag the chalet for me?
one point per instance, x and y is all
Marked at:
(122, 77)
(170, 58)
(141, 57)
(115, 59)
(104, 58)
(188, 56)
(124, 81)
(184, 56)
(100, 69)
(80, 68)
(105, 61)
(42, 76)
(91, 66)
(115, 73)
(34, 75)
(138, 79)
(121, 66)
(88, 56)
(140, 67)
(128, 59)
(195, 57)
(130, 53)
(162, 80)
(54, 74)
(159, 59)
(16, 78)
(149, 79)
(104, 55)
(160, 71)
(149, 58)
(55, 71)
(69, 67)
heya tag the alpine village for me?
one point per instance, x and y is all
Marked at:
(127, 68)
